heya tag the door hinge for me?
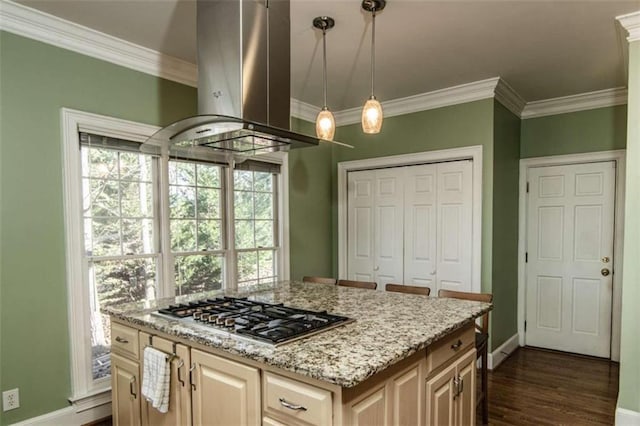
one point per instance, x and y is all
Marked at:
(526, 257)
(527, 187)
(525, 326)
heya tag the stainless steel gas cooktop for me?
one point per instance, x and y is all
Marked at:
(274, 324)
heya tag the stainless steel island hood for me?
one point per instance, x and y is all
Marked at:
(243, 82)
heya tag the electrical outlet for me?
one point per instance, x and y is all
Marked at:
(10, 399)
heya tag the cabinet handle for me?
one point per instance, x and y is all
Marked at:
(291, 406)
(180, 365)
(131, 389)
(456, 386)
(193, 385)
(460, 385)
(121, 339)
(456, 345)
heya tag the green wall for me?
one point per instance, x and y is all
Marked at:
(310, 232)
(600, 129)
(442, 128)
(629, 395)
(506, 160)
(36, 81)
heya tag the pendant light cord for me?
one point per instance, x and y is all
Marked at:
(324, 68)
(373, 50)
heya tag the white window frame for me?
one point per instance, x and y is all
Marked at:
(87, 393)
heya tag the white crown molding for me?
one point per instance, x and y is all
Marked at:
(37, 25)
(477, 90)
(631, 23)
(508, 97)
(573, 103)
(303, 110)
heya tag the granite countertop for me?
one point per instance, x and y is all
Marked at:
(388, 327)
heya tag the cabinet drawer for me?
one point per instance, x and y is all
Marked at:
(295, 402)
(449, 347)
(124, 340)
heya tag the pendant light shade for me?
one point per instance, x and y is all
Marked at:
(325, 122)
(325, 125)
(372, 116)
(372, 111)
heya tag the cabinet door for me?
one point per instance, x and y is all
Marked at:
(372, 410)
(440, 398)
(407, 398)
(224, 392)
(180, 392)
(125, 391)
(466, 399)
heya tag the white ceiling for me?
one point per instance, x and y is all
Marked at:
(543, 49)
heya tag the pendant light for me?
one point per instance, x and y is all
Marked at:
(372, 111)
(325, 122)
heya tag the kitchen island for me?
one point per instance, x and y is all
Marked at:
(406, 359)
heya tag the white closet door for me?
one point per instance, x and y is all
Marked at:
(454, 225)
(361, 187)
(389, 226)
(420, 226)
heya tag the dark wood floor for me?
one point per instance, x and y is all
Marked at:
(538, 387)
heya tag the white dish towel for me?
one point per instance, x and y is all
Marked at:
(155, 378)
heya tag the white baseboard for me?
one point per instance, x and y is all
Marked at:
(69, 417)
(626, 417)
(502, 352)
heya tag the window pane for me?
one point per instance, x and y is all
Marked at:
(248, 267)
(266, 264)
(103, 163)
(115, 282)
(264, 233)
(102, 238)
(137, 236)
(209, 235)
(243, 204)
(208, 203)
(243, 180)
(101, 197)
(263, 181)
(182, 201)
(183, 235)
(137, 199)
(197, 273)
(263, 205)
(244, 234)
(208, 175)
(182, 173)
(135, 167)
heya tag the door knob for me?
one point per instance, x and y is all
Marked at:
(376, 268)
(604, 272)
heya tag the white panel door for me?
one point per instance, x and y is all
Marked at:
(570, 224)
(361, 187)
(389, 226)
(420, 226)
(454, 225)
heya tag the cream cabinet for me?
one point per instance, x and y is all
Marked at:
(125, 391)
(225, 392)
(435, 386)
(180, 392)
(450, 393)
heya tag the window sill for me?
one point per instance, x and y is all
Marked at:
(91, 400)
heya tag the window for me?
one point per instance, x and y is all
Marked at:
(141, 225)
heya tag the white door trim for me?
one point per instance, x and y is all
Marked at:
(472, 152)
(525, 164)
